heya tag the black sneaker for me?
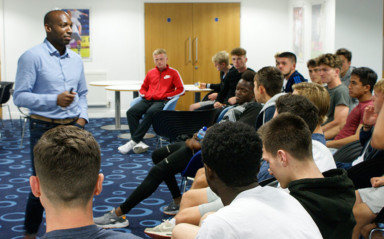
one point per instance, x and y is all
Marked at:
(172, 209)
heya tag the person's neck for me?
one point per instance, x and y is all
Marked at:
(334, 83)
(266, 98)
(228, 194)
(226, 69)
(242, 69)
(61, 49)
(318, 130)
(59, 218)
(287, 77)
(305, 169)
(365, 97)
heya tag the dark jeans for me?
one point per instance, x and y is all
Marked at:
(147, 108)
(34, 209)
(168, 160)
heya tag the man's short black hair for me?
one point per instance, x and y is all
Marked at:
(311, 63)
(288, 55)
(233, 151)
(299, 105)
(344, 52)
(367, 76)
(248, 77)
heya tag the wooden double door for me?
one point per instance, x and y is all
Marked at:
(191, 33)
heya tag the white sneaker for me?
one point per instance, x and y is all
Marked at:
(141, 147)
(124, 149)
(164, 230)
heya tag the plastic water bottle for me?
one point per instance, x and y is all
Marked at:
(201, 133)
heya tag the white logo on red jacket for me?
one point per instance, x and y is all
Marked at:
(167, 76)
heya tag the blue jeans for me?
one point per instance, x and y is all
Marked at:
(34, 210)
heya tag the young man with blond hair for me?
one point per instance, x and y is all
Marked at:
(227, 93)
(161, 84)
(329, 70)
(221, 62)
(319, 96)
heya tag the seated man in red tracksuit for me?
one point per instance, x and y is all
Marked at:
(161, 84)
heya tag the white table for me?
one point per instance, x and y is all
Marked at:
(197, 90)
(117, 125)
(135, 88)
(117, 89)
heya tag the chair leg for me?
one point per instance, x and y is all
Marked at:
(10, 117)
(23, 132)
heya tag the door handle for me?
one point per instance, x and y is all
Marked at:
(196, 49)
(190, 50)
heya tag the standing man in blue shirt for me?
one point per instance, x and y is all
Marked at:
(50, 82)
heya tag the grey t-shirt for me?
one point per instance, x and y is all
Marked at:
(339, 96)
(88, 232)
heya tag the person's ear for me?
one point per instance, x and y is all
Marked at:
(99, 184)
(47, 27)
(282, 157)
(337, 71)
(35, 186)
(208, 172)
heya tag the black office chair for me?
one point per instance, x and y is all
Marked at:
(379, 220)
(348, 152)
(5, 95)
(171, 124)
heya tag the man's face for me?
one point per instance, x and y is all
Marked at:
(275, 168)
(378, 99)
(314, 74)
(239, 62)
(244, 92)
(345, 66)
(59, 30)
(220, 66)
(285, 65)
(257, 93)
(356, 88)
(160, 61)
(328, 74)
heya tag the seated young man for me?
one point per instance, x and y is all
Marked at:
(319, 96)
(328, 197)
(226, 95)
(268, 84)
(360, 87)
(329, 70)
(173, 159)
(369, 120)
(286, 62)
(299, 105)
(67, 162)
(369, 202)
(313, 71)
(231, 154)
(221, 62)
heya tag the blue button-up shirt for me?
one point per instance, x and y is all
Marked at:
(43, 74)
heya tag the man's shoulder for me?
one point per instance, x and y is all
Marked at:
(35, 51)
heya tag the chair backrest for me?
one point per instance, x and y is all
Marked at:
(222, 113)
(171, 105)
(193, 165)
(5, 91)
(171, 124)
(348, 152)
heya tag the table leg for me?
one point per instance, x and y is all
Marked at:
(197, 97)
(117, 109)
(117, 125)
